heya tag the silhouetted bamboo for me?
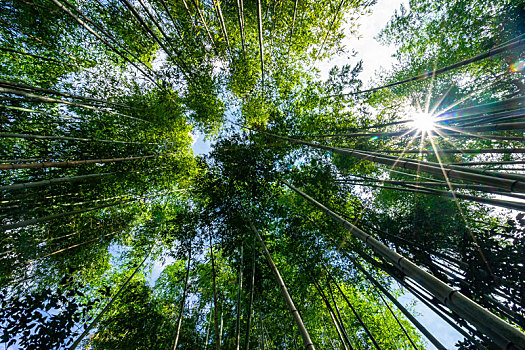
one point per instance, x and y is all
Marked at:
(199, 12)
(486, 54)
(73, 212)
(70, 179)
(293, 23)
(71, 163)
(45, 99)
(466, 151)
(29, 88)
(99, 37)
(239, 293)
(259, 29)
(448, 317)
(367, 331)
(342, 337)
(502, 333)
(451, 171)
(68, 138)
(222, 24)
(215, 303)
(250, 304)
(318, 54)
(241, 26)
(23, 53)
(451, 194)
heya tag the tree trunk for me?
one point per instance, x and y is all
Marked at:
(239, 293)
(250, 305)
(289, 302)
(500, 331)
(215, 303)
(183, 302)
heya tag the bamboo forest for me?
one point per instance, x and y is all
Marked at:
(262, 174)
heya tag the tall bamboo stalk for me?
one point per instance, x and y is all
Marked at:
(448, 171)
(486, 54)
(405, 312)
(183, 301)
(289, 302)
(502, 333)
(71, 163)
(343, 337)
(215, 303)
(250, 304)
(239, 293)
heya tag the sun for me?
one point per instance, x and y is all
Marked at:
(423, 122)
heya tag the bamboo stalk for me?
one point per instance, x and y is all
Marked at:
(68, 138)
(215, 303)
(367, 331)
(289, 302)
(486, 54)
(45, 99)
(250, 305)
(73, 212)
(99, 37)
(71, 163)
(502, 333)
(239, 293)
(183, 302)
(343, 338)
(451, 171)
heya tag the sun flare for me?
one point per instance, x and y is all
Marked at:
(423, 122)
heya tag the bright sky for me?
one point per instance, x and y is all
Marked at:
(374, 55)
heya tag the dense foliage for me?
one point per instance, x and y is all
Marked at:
(115, 235)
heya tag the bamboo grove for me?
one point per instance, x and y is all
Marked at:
(324, 204)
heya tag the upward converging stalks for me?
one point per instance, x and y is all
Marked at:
(100, 106)
(501, 332)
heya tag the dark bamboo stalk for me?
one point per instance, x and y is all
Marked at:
(99, 37)
(259, 21)
(73, 212)
(215, 303)
(486, 54)
(466, 151)
(343, 338)
(367, 331)
(250, 305)
(68, 138)
(502, 333)
(239, 293)
(72, 163)
(45, 99)
(448, 171)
